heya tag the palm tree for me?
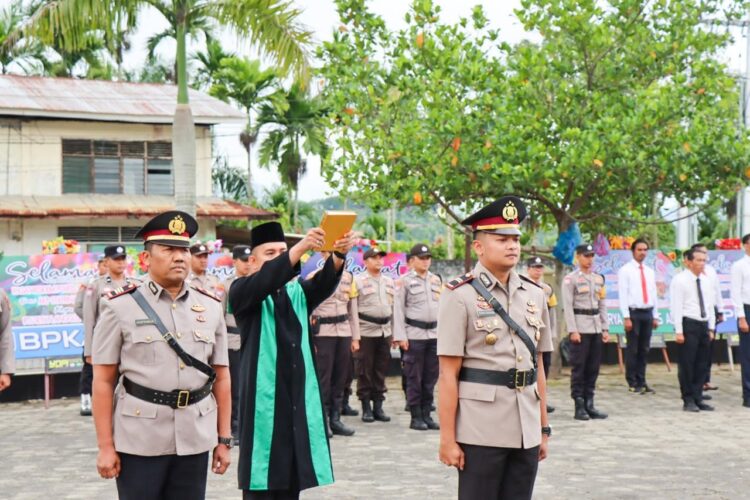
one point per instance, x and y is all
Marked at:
(209, 63)
(24, 54)
(244, 82)
(270, 25)
(296, 128)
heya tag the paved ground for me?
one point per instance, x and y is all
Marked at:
(648, 448)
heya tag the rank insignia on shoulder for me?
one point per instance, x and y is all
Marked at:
(122, 291)
(205, 292)
(461, 280)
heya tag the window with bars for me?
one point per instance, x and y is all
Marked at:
(110, 167)
(103, 234)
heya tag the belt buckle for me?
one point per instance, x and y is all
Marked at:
(180, 395)
(168, 336)
(518, 385)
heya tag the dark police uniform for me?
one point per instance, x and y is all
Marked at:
(498, 419)
(584, 303)
(165, 414)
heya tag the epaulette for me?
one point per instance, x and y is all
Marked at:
(529, 280)
(129, 288)
(205, 292)
(461, 280)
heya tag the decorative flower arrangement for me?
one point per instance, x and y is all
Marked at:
(362, 244)
(621, 242)
(60, 246)
(728, 244)
(138, 259)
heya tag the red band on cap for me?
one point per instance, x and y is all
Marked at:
(493, 221)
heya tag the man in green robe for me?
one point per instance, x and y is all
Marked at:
(283, 443)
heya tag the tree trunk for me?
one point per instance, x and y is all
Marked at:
(467, 250)
(563, 223)
(250, 193)
(297, 227)
(183, 135)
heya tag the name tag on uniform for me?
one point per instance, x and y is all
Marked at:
(144, 322)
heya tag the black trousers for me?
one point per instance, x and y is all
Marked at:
(178, 477)
(270, 495)
(744, 358)
(585, 359)
(421, 369)
(333, 359)
(639, 342)
(234, 375)
(350, 377)
(87, 377)
(403, 373)
(374, 355)
(692, 359)
(497, 473)
(546, 363)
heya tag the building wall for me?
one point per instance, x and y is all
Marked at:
(31, 151)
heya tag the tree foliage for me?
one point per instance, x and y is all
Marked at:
(621, 104)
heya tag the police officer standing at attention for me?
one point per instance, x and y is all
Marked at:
(492, 328)
(116, 264)
(740, 294)
(375, 309)
(7, 354)
(585, 308)
(332, 324)
(165, 341)
(240, 256)
(101, 266)
(415, 330)
(535, 271)
(198, 265)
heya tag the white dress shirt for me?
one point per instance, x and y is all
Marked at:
(630, 289)
(712, 277)
(685, 303)
(739, 290)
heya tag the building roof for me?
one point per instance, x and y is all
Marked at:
(113, 205)
(101, 100)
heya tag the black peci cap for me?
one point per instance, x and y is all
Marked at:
(373, 251)
(534, 262)
(199, 249)
(270, 232)
(114, 251)
(503, 216)
(585, 249)
(171, 229)
(420, 250)
(241, 252)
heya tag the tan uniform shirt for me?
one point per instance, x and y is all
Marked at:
(124, 337)
(7, 349)
(585, 291)
(80, 295)
(490, 415)
(206, 281)
(96, 289)
(549, 294)
(234, 341)
(416, 298)
(343, 302)
(374, 298)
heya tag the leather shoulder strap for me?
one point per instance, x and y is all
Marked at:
(491, 300)
(186, 358)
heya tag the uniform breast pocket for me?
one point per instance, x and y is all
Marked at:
(205, 340)
(582, 289)
(417, 294)
(489, 330)
(145, 344)
(367, 290)
(390, 291)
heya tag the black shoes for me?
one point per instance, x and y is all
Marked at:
(367, 416)
(704, 407)
(691, 407)
(647, 390)
(378, 413)
(347, 410)
(550, 409)
(706, 397)
(746, 403)
(417, 420)
(337, 426)
(593, 412)
(633, 390)
(580, 412)
(431, 424)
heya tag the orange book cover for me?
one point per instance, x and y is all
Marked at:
(336, 224)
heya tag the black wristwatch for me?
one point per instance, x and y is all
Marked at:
(340, 255)
(547, 431)
(226, 442)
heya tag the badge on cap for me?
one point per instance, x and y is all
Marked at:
(510, 212)
(203, 248)
(424, 249)
(177, 225)
(247, 251)
(120, 250)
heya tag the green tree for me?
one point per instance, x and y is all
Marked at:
(209, 63)
(296, 129)
(25, 55)
(276, 199)
(270, 25)
(621, 103)
(243, 82)
(228, 182)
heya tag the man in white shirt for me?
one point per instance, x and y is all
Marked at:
(712, 279)
(740, 295)
(692, 310)
(637, 293)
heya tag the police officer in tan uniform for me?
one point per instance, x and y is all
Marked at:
(535, 271)
(114, 277)
(7, 354)
(492, 329)
(415, 330)
(584, 303)
(375, 311)
(81, 293)
(161, 383)
(240, 256)
(332, 324)
(198, 265)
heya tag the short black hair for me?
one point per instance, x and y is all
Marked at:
(147, 246)
(639, 241)
(698, 246)
(690, 254)
(746, 238)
